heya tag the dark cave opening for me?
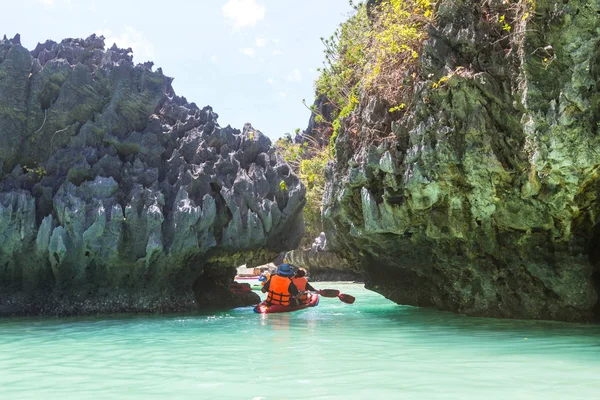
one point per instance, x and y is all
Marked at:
(594, 257)
(212, 289)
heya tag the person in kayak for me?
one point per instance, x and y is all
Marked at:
(280, 287)
(264, 278)
(301, 282)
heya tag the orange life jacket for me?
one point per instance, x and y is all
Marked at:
(279, 292)
(301, 285)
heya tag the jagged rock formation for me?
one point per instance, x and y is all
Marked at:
(483, 197)
(319, 131)
(118, 195)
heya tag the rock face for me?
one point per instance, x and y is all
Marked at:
(323, 264)
(118, 195)
(483, 197)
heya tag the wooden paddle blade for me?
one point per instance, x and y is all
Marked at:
(346, 298)
(329, 292)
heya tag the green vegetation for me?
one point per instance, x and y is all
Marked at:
(292, 153)
(375, 51)
(308, 161)
(312, 174)
(38, 170)
(507, 19)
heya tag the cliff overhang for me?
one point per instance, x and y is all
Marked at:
(481, 196)
(116, 195)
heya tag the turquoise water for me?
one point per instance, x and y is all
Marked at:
(371, 349)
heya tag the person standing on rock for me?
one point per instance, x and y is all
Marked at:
(280, 287)
(301, 282)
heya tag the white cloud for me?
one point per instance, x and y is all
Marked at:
(270, 81)
(249, 51)
(295, 76)
(214, 58)
(47, 2)
(261, 42)
(142, 48)
(277, 53)
(243, 13)
(283, 94)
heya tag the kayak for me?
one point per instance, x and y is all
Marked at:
(257, 287)
(263, 308)
(247, 279)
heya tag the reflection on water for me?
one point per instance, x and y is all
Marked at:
(333, 351)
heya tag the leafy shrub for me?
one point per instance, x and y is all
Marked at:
(312, 174)
(375, 52)
(292, 153)
(308, 162)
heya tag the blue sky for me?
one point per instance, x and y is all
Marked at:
(251, 60)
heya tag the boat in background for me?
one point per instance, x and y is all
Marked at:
(251, 275)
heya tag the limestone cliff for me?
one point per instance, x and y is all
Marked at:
(481, 197)
(118, 195)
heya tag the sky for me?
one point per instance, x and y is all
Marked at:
(251, 60)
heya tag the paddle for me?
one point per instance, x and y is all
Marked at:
(346, 298)
(328, 292)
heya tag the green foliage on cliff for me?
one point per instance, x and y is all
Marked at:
(308, 161)
(292, 152)
(375, 52)
(38, 170)
(312, 174)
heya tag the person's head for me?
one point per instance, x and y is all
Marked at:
(300, 273)
(285, 270)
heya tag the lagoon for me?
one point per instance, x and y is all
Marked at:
(371, 349)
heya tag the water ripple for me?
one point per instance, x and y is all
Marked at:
(334, 351)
